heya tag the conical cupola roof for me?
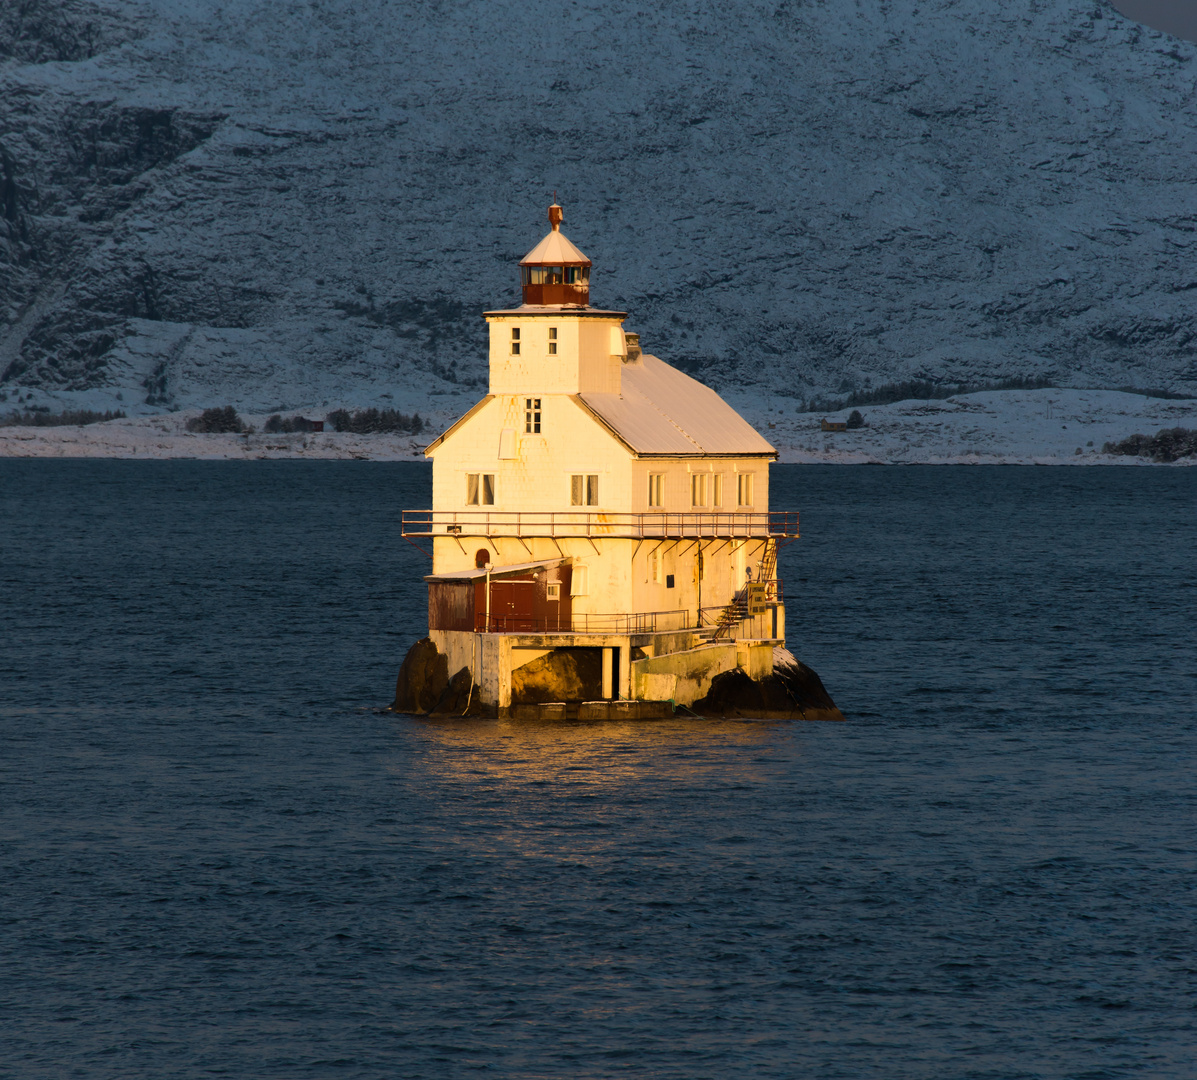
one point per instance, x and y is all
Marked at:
(555, 249)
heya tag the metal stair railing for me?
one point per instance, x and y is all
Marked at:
(736, 611)
(737, 608)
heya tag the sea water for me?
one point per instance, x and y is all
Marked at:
(220, 858)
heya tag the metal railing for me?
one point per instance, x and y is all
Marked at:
(697, 525)
(639, 622)
(724, 619)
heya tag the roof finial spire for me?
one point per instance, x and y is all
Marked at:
(555, 214)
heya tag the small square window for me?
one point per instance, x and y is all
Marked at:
(552, 590)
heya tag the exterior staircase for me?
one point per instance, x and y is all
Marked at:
(737, 608)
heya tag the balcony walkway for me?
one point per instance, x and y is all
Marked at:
(698, 525)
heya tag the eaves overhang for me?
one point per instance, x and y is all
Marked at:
(456, 424)
(526, 310)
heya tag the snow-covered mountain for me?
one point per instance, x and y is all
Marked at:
(291, 204)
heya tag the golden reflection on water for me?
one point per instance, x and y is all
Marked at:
(609, 753)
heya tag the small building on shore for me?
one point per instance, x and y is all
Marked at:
(600, 529)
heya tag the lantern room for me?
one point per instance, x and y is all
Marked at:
(555, 273)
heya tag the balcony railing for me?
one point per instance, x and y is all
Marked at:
(697, 525)
(640, 622)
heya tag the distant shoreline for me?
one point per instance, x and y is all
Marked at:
(1046, 426)
(131, 441)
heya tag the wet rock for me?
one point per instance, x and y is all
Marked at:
(423, 679)
(803, 687)
(461, 697)
(792, 692)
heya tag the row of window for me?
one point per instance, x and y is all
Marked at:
(554, 275)
(516, 341)
(583, 489)
(706, 489)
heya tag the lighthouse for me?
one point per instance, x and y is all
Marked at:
(600, 534)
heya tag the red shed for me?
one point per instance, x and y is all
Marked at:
(528, 597)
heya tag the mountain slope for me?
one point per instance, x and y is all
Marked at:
(293, 204)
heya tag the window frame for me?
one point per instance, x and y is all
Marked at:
(699, 491)
(583, 489)
(515, 341)
(532, 416)
(479, 486)
(745, 493)
(656, 490)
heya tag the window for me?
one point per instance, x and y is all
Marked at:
(699, 485)
(554, 275)
(744, 489)
(656, 489)
(717, 489)
(480, 489)
(515, 341)
(552, 591)
(583, 490)
(532, 416)
(654, 567)
(579, 584)
(552, 341)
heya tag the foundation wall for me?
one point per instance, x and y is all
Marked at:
(668, 673)
(685, 677)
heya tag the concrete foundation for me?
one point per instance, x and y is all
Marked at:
(515, 669)
(607, 677)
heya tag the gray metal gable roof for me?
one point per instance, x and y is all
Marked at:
(663, 411)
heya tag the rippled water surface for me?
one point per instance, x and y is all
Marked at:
(218, 859)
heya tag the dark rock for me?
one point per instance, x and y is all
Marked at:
(561, 675)
(803, 687)
(732, 693)
(423, 679)
(792, 692)
(461, 697)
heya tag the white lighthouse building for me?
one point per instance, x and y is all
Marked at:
(600, 530)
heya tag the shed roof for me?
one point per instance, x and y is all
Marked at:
(554, 250)
(663, 411)
(496, 571)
